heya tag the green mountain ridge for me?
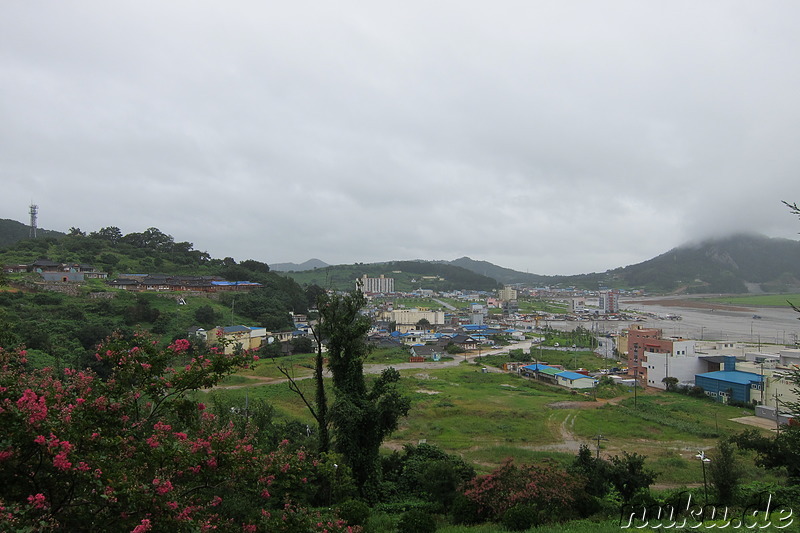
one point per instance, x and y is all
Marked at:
(12, 231)
(736, 264)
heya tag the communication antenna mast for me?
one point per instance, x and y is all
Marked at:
(34, 210)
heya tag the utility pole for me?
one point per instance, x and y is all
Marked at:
(598, 438)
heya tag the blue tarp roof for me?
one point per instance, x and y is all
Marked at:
(733, 376)
(535, 367)
(234, 329)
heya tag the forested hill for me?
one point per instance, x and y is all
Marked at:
(408, 276)
(735, 264)
(68, 326)
(12, 231)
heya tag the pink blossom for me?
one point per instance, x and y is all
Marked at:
(162, 487)
(38, 501)
(144, 527)
(61, 462)
(35, 406)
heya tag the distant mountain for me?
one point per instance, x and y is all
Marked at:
(311, 264)
(12, 231)
(504, 275)
(736, 264)
(408, 276)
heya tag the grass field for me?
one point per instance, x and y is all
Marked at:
(489, 417)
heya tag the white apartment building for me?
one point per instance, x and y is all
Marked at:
(381, 284)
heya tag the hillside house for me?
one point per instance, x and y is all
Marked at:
(237, 337)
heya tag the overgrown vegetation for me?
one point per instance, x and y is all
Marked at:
(61, 329)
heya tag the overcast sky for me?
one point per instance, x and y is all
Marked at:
(552, 137)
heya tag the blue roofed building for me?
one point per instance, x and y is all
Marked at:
(574, 380)
(730, 384)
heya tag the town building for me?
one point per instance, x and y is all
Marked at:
(671, 358)
(411, 317)
(507, 293)
(379, 285)
(730, 384)
(609, 302)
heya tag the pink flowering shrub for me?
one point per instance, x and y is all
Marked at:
(541, 486)
(134, 452)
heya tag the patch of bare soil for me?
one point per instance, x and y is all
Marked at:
(573, 405)
(763, 423)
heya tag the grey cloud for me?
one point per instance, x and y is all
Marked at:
(549, 137)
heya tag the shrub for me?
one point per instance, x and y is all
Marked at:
(79, 453)
(416, 521)
(522, 517)
(354, 512)
(510, 485)
(465, 511)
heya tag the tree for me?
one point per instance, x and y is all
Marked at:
(112, 234)
(670, 382)
(255, 266)
(426, 472)
(724, 471)
(205, 315)
(593, 470)
(302, 345)
(360, 417)
(629, 475)
(313, 293)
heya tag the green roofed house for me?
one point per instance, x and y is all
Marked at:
(540, 371)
